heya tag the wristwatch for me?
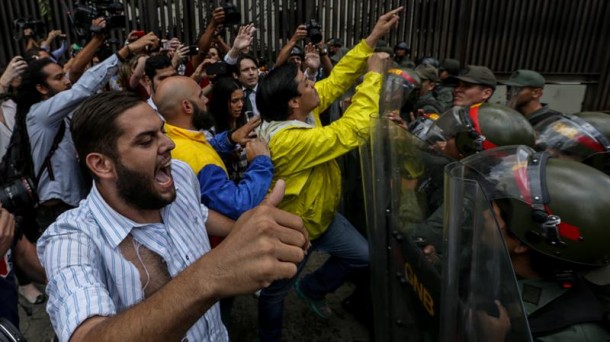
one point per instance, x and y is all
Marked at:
(324, 52)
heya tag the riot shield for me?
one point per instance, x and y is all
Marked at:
(480, 298)
(402, 179)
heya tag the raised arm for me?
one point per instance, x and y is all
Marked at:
(282, 56)
(205, 40)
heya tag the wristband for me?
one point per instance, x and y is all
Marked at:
(229, 134)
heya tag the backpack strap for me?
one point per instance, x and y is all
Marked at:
(47, 160)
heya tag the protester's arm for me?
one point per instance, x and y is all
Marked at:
(221, 45)
(242, 40)
(282, 56)
(322, 144)
(14, 68)
(327, 64)
(220, 193)
(225, 142)
(205, 40)
(46, 44)
(27, 260)
(52, 111)
(353, 64)
(272, 241)
(57, 53)
(85, 55)
(138, 72)
(312, 62)
(7, 230)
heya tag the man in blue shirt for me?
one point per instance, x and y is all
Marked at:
(133, 261)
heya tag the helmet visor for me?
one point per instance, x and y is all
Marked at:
(565, 138)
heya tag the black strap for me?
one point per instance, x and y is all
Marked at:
(46, 164)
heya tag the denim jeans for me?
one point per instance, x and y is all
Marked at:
(348, 251)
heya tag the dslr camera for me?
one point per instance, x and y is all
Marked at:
(18, 194)
(314, 31)
(85, 11)
(37, 27)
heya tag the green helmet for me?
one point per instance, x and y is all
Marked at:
(481, 127)
(557, 207)
(583, 137)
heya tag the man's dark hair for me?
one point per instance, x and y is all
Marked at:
(243, 57)
(155, 63)
(31, 77)
(19, 156)
(94, 127)
(275, 91)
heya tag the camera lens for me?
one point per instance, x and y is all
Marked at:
(18, 194)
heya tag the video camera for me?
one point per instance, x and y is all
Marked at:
(37, 27)
(85, 11)
(314, 31)
(232, 14)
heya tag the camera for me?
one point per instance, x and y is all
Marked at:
(85, 11)
(314, 31)
(232, 15)
(193, 50)
(18, 194)
(37, 27)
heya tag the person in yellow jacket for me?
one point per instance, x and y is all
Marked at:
(303, 154)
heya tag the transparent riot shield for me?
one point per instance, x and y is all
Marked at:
(403, 188)
(480, 298)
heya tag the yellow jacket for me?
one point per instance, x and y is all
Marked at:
(304, 155)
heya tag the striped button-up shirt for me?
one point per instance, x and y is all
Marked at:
(88, 276)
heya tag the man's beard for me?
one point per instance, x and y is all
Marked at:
(201, 120)
(136, 188)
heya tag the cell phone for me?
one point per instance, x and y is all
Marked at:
(217, 68)
(193, 50)
(139, 34)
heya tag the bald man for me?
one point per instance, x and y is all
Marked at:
(181, 102)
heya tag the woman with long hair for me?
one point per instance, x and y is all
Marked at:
(227, 108)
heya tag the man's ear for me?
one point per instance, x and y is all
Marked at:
(100, 165)
(294, 103)
(487, 92)
(187, 106)
(42, 89)
(537, 93)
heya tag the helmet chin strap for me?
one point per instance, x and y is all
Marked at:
(549, 223)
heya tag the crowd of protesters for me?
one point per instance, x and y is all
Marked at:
(170, 180)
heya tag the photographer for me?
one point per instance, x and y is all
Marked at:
(44, 103)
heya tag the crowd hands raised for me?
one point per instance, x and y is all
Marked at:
(129, 115)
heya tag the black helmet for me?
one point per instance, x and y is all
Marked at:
(402, 46)
(297, 51)
(429, 61)
(481, 127)
(545, 202)
(583, 137)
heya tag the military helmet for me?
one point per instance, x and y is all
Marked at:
(545, 202)
(428, 60)
(583, 137)
(481, 127)
(402, 46)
